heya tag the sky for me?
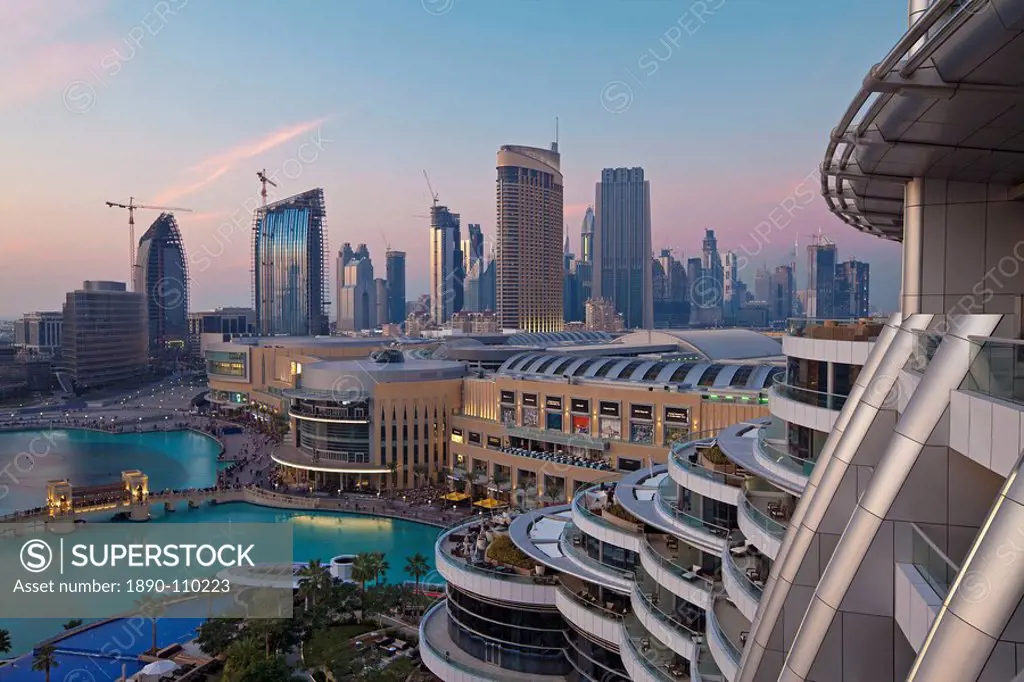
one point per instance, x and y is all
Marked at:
(726, 104)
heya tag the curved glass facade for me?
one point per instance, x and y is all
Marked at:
(162, 274)
(592, 661)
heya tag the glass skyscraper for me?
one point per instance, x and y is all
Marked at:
(289, 275)
(162, 275)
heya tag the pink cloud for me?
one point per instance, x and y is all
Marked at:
(48, 68)
(219, 164)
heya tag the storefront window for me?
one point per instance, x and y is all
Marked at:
(530, 417)
(508, 415)
(611, 427)
(641, 432)
(580, 424)
(553, 422)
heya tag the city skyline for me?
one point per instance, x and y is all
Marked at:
(212, 170)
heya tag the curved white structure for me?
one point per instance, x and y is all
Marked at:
(716, 485)
(681, 581)
(761, 530)
(593, 619)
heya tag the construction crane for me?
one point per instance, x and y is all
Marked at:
(433, 194)
(131, 206)
(264, 181)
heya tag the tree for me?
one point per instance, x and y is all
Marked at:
(416, 566)
(314, 581)
(381, 567)
(151, 607)
(45, 660)
(72, 624)
(5, 641)
(269, 670)
(364, 568)
(239, 657)
(217, 634)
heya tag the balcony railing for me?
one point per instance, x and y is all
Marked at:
(997, 369)
(854, 329)
(735, 651)
(580, 504)
(782, 456)
(578, 550)
(667, 502)
(682, 572)
(828, 401)
(932, 563)
(740, 574)
(591, 603)
(766, 523)
(668, 619)
(652, 668)
(552, 436)
(681, 454)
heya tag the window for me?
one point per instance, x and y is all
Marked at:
(544, 365)
(680, 374)
(584, 366)
(609, 409)
(628, 370)
(605, 368)
(710, 374)
(652, 373)
(563, 366)
(474, 438)
(742, 376)
(530, 399)
(580, 405)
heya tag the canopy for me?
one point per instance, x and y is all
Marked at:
(489, 503)
(157, 668)
(455, 497)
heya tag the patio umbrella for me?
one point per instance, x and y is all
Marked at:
(156, 669)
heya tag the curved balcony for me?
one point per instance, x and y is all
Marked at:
(666, 628)
(638, 665)
(445, 659)
(587, 614)
(844, 341)
(688, 467)
(743, 577)
(803, 406)
(693, 529)
(326, 461)
(764, 518)
(486, 578)
(592, 514)
(727, 631)
(676, 567)
(572, 544)
(330, 415)
(784, 466)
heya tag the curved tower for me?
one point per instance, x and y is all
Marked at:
(162, 275)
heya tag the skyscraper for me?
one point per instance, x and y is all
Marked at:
(380, 298)
(446, 274)
(395, 275)
(622, 245)
(762, 284)
(587, 236)
(671, 294)
(781, 294)
(162, 275)
(357, 292)
(529, 238)
(585, 265)
(732, 289)
(105, 334)
(289, 273)
(853, 289)
(821, 278)
(472, 247)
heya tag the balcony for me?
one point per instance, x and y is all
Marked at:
(704, 534)
(744, 574)
(334, 415)
(861, 329)
(781, 462)
(462, 563)
(445, 659)
(595, 512)
(681, 632)
(997, 370)
(550, 436)
(677, 567)
(763, 517)
(841, 341)
(813, 409)
(588, 614)
(647, 661)
(703, 468)
(727, 633)
(558, 458)
(932, 563)
(573, 545)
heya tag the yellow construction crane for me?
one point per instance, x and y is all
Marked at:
(131, 206)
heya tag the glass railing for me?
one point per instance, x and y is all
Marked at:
(653, 669)
(655, 610)
(762, 520)
(997, 369)
(591, 604)
(853, 329)
(580, 505)
(781, 455)
(472, 673)
(442, 550)
(675, 569)
(681, 456)
(734, 651)
(579, 551)
(667, 501)
(741, 576)
(932, 563)
(806, 396)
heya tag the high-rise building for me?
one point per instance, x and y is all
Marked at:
(762, 284)
(106, 334)
(602, 316)
(711, 261)
(733, 290)
(671, 294)
(395, 276)
(853, 289)
(528, 240)
(357, 293)
(572, 305)
(289, 271)
(222, 324)
(585, 264)
(781, 294)
(821, 279)
(446, 274)
(587, 236)
(162, 275)
(472, 246)
(622, 245)
(39, 332)
(380, 299)
(488, 286)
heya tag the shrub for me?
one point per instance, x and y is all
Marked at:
(619, 512)
(503, 551)
(715, 455)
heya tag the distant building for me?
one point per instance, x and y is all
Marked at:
(39, 333)
(106, 335)
(380, 298)
(417, 323)
(782, 294)
(528, 238)
(221, 325)
(821, 279)
(395, 276)
(475, 322)
(162, 275)
(357, 292)
(622, 245)
(853, 289)
(289, 274)
(602, 316)
(762, 284)
(472, 246)
(733, 291)
(446, 274)
(671, 293)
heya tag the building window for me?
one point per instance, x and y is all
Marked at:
(531, 417)
(474, 438)
(579, 405)
(508, 397)
(609, 409)
(529, 399)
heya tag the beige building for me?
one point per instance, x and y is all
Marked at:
(528, 244)
(601, 316)
(105, 336)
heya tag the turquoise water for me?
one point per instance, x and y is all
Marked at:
(184, 460)
(172, 459)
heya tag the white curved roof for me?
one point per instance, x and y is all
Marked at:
(713, 344)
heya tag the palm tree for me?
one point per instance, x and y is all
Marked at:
(152, 608)
(381, 567)
(314, 581)
(416, 566)
(5, 641)
(363, 569)
(45, 660)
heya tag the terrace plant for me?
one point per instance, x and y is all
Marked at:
(503, 551)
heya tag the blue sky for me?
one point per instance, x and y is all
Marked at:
(181, 102)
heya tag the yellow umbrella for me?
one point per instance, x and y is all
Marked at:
(456, 497)
(489, 503)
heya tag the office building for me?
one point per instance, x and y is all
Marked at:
(782, 294)
(161, 273)
(472, 246)
(288, 265)
(853, 289)
(821, 279)
(528, 240)
(380, 299)
(733, 291)
(39, 333)
(602, 316)
(671, 293)
(357, 292)
(395, 276)
(762, 284)
(622, 245)
(218, 325)
(446, 274)
(105, 339)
